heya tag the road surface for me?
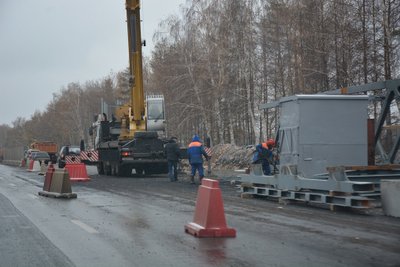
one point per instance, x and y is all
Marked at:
(136, 221)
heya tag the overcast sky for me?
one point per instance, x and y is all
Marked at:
(46, 44)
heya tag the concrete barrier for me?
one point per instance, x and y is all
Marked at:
(390, 195)
(15, 163)
(58, 184)
(35, 166)
(43, 168)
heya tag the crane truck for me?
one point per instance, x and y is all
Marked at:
(133, 138)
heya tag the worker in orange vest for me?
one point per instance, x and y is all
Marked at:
(264, 155)
(195, 154)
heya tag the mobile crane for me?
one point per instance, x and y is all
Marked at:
(131, 140)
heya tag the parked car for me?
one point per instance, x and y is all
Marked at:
(67, 151)
(40, 156)
(28, 153)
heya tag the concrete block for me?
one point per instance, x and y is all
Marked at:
(390, 195)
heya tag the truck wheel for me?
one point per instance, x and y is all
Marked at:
(122, 171)
(126, 171)
(107, 169)
(147, 171)
(139, 171)
(61, 164)
(100, 168)
(115, 169)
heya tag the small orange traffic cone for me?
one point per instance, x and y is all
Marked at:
(209, 217)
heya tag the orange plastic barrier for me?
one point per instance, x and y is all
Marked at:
(77, 172)
(30, 165)
(209, 217)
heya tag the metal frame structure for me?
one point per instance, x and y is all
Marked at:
(392, 92)
(351, 186)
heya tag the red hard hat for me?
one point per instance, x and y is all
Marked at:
(270, 142)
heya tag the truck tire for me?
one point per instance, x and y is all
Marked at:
(107, 169)
(116, 169)
(61, 164)
(100, 168)
(124, 171)
(139, 171)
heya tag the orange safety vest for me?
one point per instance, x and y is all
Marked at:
(264, 145)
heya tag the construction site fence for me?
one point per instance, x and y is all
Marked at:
(12, 155)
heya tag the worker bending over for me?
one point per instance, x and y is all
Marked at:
(264, 155)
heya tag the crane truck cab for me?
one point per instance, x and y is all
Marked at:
(156, 114)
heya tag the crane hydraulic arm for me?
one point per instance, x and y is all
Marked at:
(137, 120)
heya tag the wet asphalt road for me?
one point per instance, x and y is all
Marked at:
(140, 222)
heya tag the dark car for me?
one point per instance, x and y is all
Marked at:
(67, 151)
(40, 156)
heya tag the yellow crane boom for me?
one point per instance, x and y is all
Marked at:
(135, 60)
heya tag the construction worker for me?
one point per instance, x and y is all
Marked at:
(270, 143)
(274, 158)
(264, 155)
(172, 152)
(195, 154)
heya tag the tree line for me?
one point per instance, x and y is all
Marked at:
(218, 60)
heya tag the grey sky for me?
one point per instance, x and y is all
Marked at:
(46, 44)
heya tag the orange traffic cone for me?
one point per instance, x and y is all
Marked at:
(209, 217)
(77, 172)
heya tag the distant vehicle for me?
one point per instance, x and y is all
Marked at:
(46, 146)
(67, 151)
(28, 153)
(40, 156)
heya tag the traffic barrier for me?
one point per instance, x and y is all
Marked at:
(35, 166)
(58, 184)
(209, 217)
(89, 156)
(11, 162)
(23, 163)
(390, 195)
(48, 177)
(72, 159)
(43, 168)
(77, 172)
(29, 163)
